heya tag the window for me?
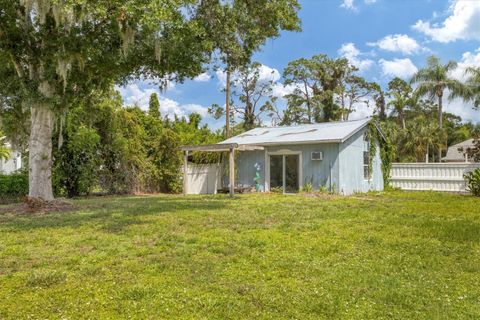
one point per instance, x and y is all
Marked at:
(366, 158)
(366, 165)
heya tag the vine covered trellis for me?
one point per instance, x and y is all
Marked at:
(387, 149)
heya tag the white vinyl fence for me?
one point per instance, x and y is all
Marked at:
(430, 176)
(203, 179)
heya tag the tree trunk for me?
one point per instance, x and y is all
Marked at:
(309, 106)
(227, 105)
(383, 114)
(40, 153)
(440, 123)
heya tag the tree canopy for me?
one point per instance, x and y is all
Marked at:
(54, 53)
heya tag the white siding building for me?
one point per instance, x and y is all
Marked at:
(12, 164)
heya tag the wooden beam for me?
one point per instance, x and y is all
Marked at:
(211, 147)
(219, 147)
(185, 173)
(232, 171)
(247, 147)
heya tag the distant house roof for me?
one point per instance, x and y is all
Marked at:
(456, 153)
(333, 132)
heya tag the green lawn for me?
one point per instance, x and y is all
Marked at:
(392, 256)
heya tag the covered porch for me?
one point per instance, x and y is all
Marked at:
(231, 148)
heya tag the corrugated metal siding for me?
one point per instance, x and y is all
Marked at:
(319, 173)
(246, 164)
(351, 164)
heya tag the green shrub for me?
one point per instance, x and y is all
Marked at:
(13, 186)
(276, 190)
(322, 189)
(307, 188)
(472, 180)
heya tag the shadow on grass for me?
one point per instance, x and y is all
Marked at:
(113, 214)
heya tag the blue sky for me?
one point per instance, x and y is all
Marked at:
(384, 38)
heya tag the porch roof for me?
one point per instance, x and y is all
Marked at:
(220, 147)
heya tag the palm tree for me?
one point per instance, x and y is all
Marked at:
(433, 80)
(472, 84)
(420, 136)
(399, 102)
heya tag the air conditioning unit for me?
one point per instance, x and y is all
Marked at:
(317, 155)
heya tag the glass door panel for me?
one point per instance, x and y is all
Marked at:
(276, 171)
(291, 173)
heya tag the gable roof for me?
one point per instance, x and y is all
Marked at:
(457, 151)
(327, 132)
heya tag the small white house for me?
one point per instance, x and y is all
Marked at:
(332, 156)
(13, 163)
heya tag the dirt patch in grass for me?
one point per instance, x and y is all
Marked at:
(33, 207)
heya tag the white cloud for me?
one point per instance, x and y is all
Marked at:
(203, 77)
(462, 109)
(266, 74)
(463, 23)
(402, 68)
(133, 94)
(349, 5)
(469, 59)
(280, 91)
(349, 51)
(397, 43)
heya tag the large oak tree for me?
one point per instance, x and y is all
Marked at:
(53, 52)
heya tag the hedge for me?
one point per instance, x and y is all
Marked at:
(13, 186)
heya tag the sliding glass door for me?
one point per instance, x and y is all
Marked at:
(284, 172)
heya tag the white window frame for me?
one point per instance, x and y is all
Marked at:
(366, 148)
(283, 152)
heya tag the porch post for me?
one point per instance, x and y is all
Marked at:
(232, 172)
(185, 171)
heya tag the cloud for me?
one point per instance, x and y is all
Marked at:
(203, 77)
(462, 109)
(469, 59)
(266, 74)
(279, 90)
(463, 23)
(133, 94)
(350, 4)
(351, 53)
(402, 68)
(397, 43)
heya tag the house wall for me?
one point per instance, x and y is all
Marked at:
(351, 164)
(13, 163)
(319, 173)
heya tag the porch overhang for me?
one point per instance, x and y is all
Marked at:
(221, 147)
(218, 147)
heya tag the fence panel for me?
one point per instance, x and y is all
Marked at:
(203, 179)
(430, 176)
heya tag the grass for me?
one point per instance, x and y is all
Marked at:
(389, 256)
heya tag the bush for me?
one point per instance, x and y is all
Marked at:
(472, 180)
(307, 188)
(13, 186)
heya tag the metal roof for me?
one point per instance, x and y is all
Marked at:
(333, 132)
(457, 151)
